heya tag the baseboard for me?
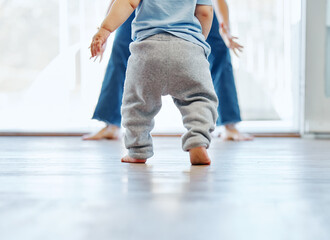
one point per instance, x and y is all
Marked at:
(68, 134)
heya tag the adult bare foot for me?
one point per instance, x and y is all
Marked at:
(108, 132)
(231, 133)
(129, 159)
(199, 156)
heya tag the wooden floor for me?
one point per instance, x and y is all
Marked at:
(65, 189)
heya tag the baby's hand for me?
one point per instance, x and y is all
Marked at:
(229, 40)
(99, 43)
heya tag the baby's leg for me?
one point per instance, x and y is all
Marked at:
(198, 109)
(141, 102)
(199, 116)
(138, 118)
(196, 99)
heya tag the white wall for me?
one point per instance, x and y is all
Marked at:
(316, 103)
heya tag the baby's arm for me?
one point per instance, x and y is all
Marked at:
(204, 14)
(118, 14)
(110, 5)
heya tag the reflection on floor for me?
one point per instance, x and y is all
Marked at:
(64, 188)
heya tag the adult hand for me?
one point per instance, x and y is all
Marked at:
(98, 44)
(230, 40)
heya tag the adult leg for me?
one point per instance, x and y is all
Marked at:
(108, 107)
(224, 84)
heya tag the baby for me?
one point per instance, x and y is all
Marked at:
(168, 56)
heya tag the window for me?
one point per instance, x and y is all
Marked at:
(48, 83)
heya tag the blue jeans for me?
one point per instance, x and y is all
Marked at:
(109, 103)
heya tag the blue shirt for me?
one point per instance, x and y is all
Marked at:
(176, 17)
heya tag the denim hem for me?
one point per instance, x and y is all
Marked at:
(228, 122)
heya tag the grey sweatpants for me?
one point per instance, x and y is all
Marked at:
(160, 65)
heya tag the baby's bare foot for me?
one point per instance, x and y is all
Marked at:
(109, 132)
(129, 159)
(199, 156)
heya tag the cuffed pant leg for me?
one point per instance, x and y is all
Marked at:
(199, 116)
(193, 93)
(141, 101)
